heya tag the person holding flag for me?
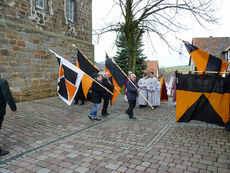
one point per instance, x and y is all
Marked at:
(131, 96)
(97, 92)
(107, 82)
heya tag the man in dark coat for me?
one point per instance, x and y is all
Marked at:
(131, 96)
(97, 92)
(106, 95)
(5, 97)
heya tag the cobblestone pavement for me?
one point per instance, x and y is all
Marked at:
(47, 135)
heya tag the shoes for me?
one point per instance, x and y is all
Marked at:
(2, 153)
(104, 114)
(75, 103)
(107, 113)
(127, 112)
(90, 117)
(142, 106)
(132, 118)
(97, 119)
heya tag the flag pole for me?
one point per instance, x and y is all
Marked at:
(74, 45)
(131, 82)
(201, 71)
(86, 74)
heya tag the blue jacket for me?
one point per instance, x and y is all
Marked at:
(131, 91)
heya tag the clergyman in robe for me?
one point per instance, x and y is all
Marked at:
(142, 84)
(151, 88)
(157, 94)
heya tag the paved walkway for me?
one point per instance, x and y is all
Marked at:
(47, 135)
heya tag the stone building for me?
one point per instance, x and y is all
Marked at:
(28, 28)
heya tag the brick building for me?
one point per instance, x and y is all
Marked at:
(152, 66)
(28, 28)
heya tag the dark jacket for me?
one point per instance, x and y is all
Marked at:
(131, 91)
(5, 97)
(97, 92)
(107, 84)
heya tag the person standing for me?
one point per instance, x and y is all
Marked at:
(157, 94)
(128, 77)
(163, 91)
(151, 88)
(106, 81)
(142, 84)
(174, 90)
(5, 97)
(131, 96)
(97, 92)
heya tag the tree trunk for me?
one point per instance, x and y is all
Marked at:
(134, 58)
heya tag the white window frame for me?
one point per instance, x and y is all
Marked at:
(38, 4)
(70, 10)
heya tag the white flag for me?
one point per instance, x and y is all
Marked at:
(69, 79)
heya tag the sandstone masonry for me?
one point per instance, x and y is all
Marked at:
(26, 33)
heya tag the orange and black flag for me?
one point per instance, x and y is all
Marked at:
(204, 99)
(118, 78)
(205, 61)
(90, 69)
(69, 79)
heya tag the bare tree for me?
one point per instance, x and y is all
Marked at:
(157, 16)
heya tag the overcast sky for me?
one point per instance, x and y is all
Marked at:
(161, 53)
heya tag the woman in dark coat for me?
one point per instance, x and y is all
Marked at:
(131, 96)
(5, 97)
(97, 92)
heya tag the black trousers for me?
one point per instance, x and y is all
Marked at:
(1, 120)
(105, 104)
(132, 104)
(82, 98)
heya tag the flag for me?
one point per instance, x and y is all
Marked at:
(205, 61)
(118, 77)
(87, 67)
(204, 99)
(69, 79)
